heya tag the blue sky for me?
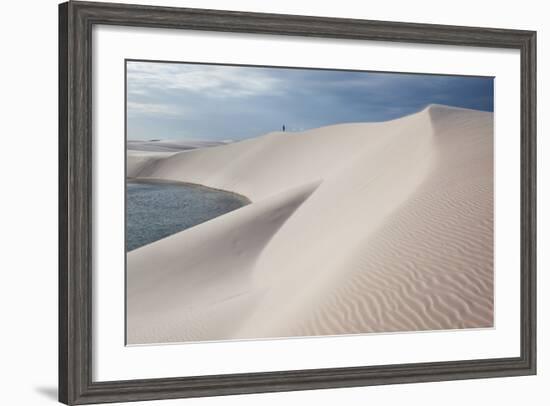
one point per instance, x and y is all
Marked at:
(215, 102)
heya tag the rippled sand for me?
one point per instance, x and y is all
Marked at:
(353, 228)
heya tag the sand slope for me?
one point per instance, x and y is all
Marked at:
(353, 228)
(141, 153)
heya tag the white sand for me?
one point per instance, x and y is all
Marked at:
(353, 228)
(138, 161)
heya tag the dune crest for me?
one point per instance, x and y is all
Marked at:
(354, 228)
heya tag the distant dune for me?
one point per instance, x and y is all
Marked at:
(168, 145)
(353, 228)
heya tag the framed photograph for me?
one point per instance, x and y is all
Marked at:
(257, 202)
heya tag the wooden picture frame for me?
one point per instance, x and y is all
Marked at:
(76, 20)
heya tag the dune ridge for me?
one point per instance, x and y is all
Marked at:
(355, 228)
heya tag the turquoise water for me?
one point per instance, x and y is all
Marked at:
(157, 210)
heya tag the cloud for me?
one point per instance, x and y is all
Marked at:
(212, 81)
(154, 109)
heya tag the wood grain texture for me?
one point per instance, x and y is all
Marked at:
(76, 20)
(63, 365)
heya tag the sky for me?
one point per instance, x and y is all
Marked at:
(183, 101)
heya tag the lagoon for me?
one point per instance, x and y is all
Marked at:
(158, 210)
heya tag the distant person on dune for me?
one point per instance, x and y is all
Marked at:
(284, 128)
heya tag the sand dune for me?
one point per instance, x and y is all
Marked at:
(141, 153)
(353, 228)
(138, 161)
